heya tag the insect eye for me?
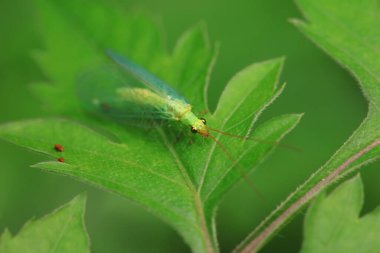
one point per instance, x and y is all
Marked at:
(193, 130)
(203, 120)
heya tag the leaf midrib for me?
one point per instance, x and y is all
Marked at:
(202, 224)
(64, 229)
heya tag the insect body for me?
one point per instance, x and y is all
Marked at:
(129, 93)
(175, 109)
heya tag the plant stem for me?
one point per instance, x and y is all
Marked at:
(203, 226)
(257, 242)
(197, 200)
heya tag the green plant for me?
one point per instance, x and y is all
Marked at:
(332, 223)
(61, 231)
(348, 31)
(187, 182)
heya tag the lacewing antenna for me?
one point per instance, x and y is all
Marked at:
(255, 139)
(239, 168)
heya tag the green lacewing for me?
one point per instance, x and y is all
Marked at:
(130, 94)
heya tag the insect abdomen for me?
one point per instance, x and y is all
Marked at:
(169, 108)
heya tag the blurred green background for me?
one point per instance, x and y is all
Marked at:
(249, 31)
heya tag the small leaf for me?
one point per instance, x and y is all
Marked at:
(189, 66)
(332, 223)
(242, 101)
(62, 231)
(275, 129)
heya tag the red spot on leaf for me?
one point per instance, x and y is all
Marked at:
(58, 147)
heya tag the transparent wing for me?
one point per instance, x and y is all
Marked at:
(106, 91)
(145, 77)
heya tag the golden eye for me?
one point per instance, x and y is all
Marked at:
(193, 130)
(203, 120)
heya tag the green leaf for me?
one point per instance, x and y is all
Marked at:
(349, 31)
(179, 181)
(332, 223)
(61, 231)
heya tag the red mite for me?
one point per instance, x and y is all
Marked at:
(58, 147)
(61, 159)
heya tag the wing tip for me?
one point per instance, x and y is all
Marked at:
(118, 58)
(110, 53)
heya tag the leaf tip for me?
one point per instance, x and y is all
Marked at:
(80, 201)
(51, 166)
(197, 32)
(297, 22)
(278, 61)
(300, 115)
(294, 21)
